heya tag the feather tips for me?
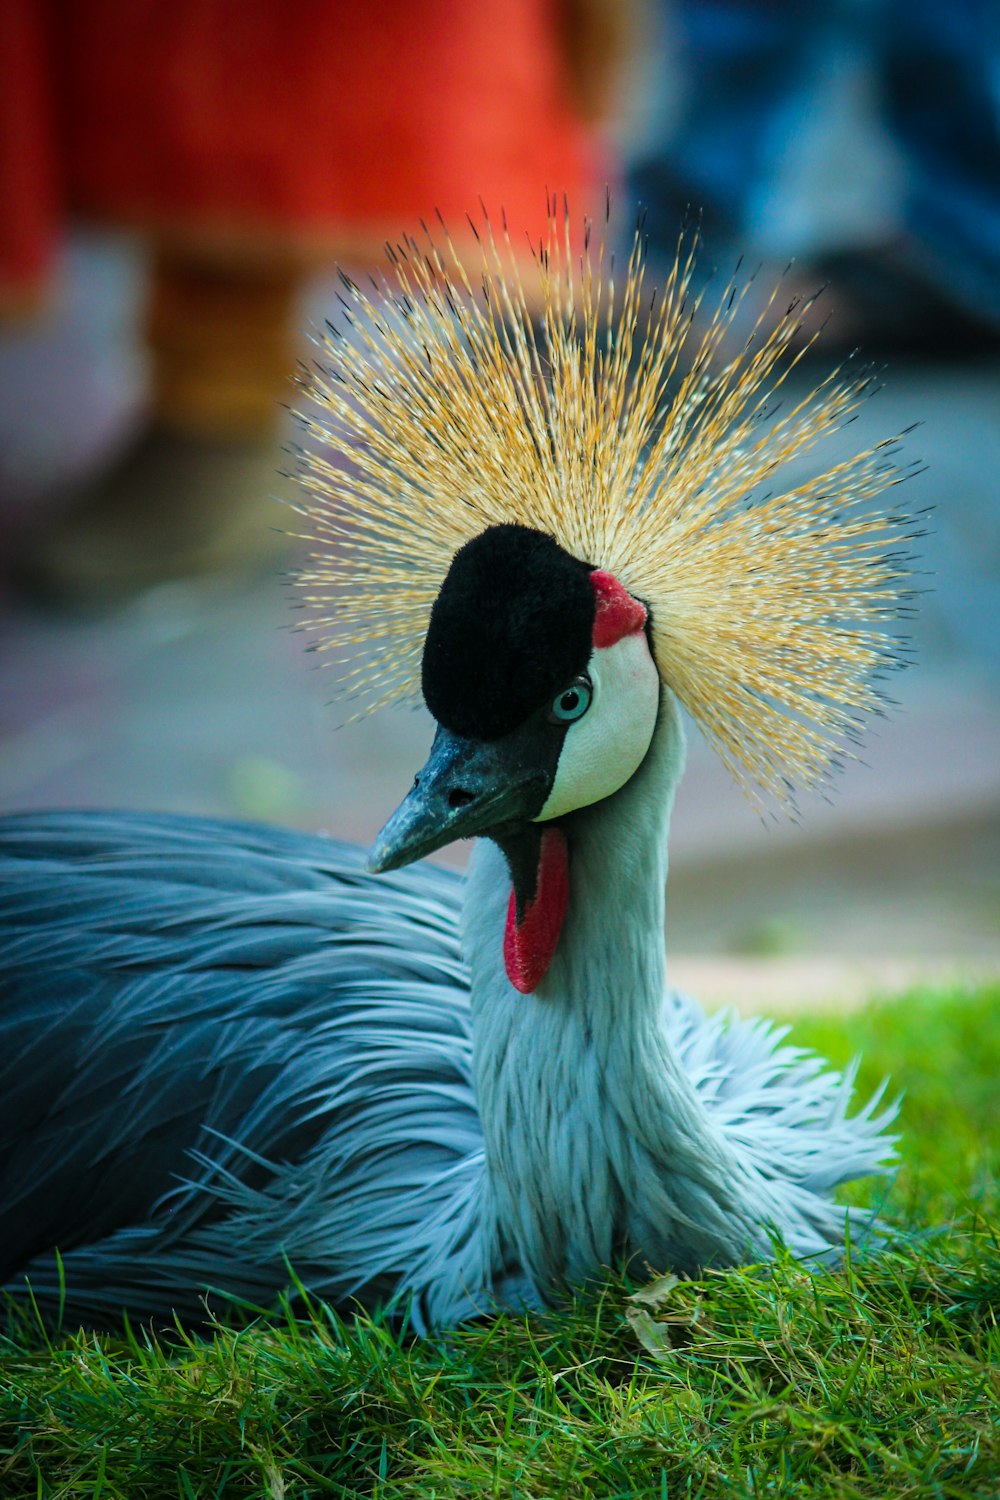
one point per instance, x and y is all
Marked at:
(641, 446)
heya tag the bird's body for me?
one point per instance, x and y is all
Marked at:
(222, 1045)
(228, 1049)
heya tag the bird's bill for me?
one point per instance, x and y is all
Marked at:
(466, 787)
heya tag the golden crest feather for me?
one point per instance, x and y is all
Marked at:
(438, 409)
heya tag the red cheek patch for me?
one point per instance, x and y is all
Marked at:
(617, 614)
(529, 945)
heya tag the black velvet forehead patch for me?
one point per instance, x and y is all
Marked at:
(511, 626)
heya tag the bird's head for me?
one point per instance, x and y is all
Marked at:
(538, 670)
(544, 524)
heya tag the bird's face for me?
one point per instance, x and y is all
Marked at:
(538, 671)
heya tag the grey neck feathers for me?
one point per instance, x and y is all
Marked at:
(597, 1146)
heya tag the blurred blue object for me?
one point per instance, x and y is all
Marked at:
(942, 82)
(858, 133)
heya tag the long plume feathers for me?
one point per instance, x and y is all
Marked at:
(642, 446)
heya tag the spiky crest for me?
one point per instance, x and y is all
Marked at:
(437, 410)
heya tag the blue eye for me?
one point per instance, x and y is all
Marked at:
(572, 703)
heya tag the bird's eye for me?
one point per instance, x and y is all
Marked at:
(572, 703)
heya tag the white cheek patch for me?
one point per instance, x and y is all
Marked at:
(604, 748)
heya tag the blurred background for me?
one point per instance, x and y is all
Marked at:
(179, 182)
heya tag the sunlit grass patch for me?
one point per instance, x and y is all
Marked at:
(878, 1378)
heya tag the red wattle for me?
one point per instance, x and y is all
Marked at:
(616, 613)
(529, 945)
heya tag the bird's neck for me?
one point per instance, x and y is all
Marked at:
(596, 1144)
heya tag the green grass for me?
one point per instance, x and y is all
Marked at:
(878, 1380)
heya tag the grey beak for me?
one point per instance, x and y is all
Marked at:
(466, 787)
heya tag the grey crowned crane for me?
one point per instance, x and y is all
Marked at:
(230, 1049)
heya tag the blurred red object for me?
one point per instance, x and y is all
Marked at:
(302, 131)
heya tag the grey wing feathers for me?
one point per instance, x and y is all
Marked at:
(192, 1011)
(785, 1113)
